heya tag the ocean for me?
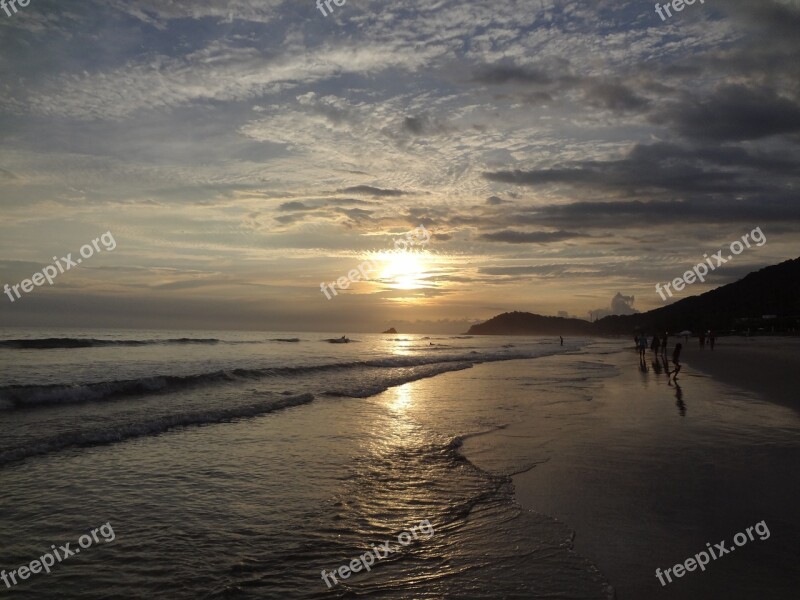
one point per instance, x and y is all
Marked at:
(242, 465)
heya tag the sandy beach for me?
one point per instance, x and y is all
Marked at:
(768, 366)
(647, 473)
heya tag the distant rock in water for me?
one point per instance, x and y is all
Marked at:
(392, 330)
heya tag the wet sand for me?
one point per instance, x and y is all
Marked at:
(769, 366)
(647, 473)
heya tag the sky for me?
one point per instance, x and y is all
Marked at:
(564, 157)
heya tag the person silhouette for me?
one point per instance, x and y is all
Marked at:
(656, 345)
(676, 360)
(562, 340)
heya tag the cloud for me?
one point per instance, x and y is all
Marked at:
(660, 167)
(529, 237)
(356, 214)
(372, 191)
(160, 12)
(620, 305)
(219, 72)
(424, 125)
(610, 130)
(636, 214)
(733, 113)
(294, 206)
(615, 97)
(505, 72)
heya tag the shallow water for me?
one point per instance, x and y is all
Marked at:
(215, 490)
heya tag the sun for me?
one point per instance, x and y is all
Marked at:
(404, 269)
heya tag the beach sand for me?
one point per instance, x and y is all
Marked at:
(644, 472)
(769, 366)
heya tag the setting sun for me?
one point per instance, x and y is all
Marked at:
(404, 269)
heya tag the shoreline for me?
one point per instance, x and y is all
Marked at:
(645, 473)
(762, 365)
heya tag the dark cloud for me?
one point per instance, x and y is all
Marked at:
(294, 206)
(510, 236)
(372, 191)
(733, 113)
(521, 271)
(356, 214)
(662, 167)
(615, 97)
(636, 213)
(424, 125)
(778, 18)
(353, 201)
(288, 219)
(496, 200)
(413, 125)
(506, 72)
(553, 78)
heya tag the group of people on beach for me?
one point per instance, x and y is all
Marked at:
(659, 347)
(710, 336)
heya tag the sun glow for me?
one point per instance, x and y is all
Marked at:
(404, 269)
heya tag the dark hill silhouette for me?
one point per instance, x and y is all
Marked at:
(774, 290)
(524, 323)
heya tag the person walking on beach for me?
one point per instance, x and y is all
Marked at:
(656, 345)
(562, 340)
(642, 346)
(712, 339)
(676, 360)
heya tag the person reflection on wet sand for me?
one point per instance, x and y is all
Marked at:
(676, 361)
(656, 365)
(679, 400)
